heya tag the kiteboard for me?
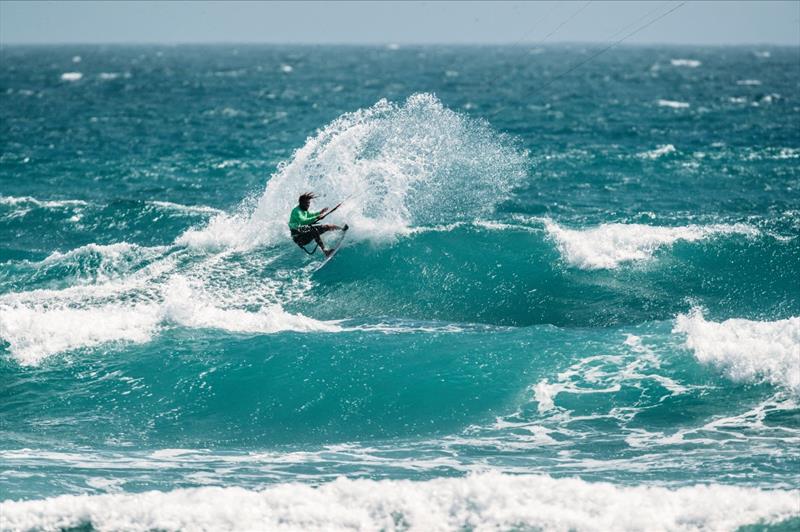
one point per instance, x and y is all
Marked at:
(334, 251)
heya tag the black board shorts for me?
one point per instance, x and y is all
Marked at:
(305, 234)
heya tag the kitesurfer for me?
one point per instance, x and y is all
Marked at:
(303, 226)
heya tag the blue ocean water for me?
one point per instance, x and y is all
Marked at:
(565, 303)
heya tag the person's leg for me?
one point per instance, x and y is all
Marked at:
(326, 228)
(320, 243)
(316, 231)
(320, 229)
(304, 236)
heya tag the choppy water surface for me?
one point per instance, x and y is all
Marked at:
(565, 303)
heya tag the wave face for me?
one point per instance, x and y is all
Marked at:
(534, 306)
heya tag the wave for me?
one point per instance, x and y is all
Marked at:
(41, 323)
(514, 390)
(546, 280)
(632, 365)
(107, 252)
(192, 209)
(35, 332)
(189, 308)
(108, 76)
(395, 163)
(607, 246)
(690, 63)
(29, 201)
(71, 76)
(665, 149)
(673, 104)
(25, 204)
(485, 501)
(745, 350)
(94, 262)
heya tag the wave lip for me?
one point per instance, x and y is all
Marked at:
(607, 246)
(486, 501)
(745, 350)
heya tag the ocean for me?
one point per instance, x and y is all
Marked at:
(566, 302)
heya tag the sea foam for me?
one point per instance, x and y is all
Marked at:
(610, 245)
(480, 502)
(745, 350)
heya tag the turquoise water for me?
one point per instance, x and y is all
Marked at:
(564, 303)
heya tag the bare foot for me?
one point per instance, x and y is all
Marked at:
(327, 252)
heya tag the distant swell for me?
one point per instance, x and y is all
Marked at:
(21, 205)
(489, 501)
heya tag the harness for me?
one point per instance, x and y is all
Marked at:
(307, 251)
(297, 231)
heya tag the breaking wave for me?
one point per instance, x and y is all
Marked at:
(487, 501)
(745, 350)
(607, 246)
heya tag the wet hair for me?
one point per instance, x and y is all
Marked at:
(306, 197)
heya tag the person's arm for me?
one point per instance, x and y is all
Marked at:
(314, 216)
(309, 217)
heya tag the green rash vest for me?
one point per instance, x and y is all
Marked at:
(300, 217)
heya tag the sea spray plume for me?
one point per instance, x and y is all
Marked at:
(397, 161)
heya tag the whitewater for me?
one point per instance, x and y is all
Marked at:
(578, 311)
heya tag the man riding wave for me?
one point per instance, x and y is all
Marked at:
(303, 227)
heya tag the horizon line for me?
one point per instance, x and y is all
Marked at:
(390, 44)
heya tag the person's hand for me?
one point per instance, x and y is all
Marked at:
(324, 210)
